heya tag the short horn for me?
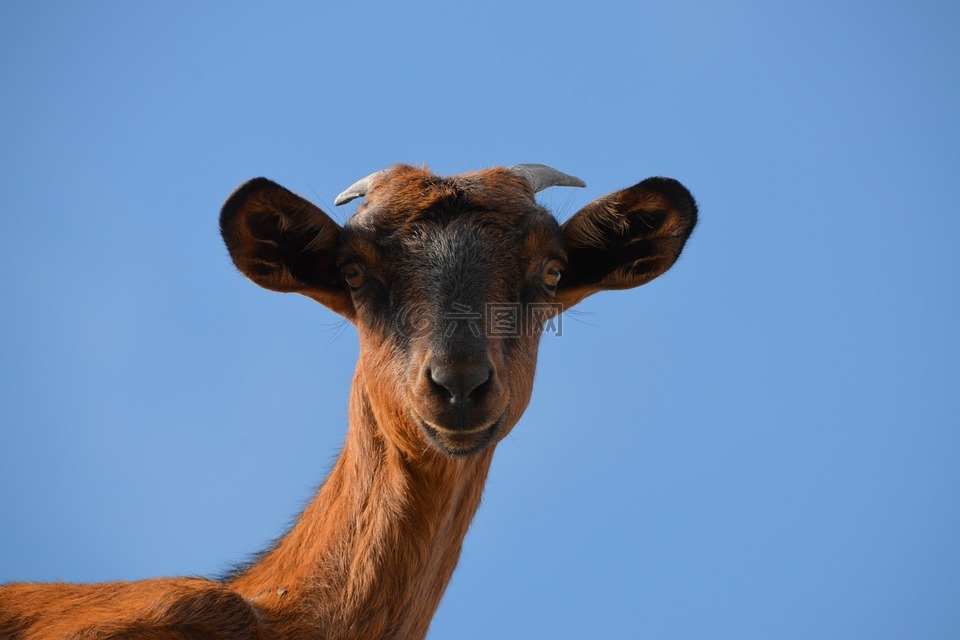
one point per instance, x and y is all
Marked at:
(540, 176)
(358, 189)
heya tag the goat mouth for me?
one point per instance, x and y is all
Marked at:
(461, 444)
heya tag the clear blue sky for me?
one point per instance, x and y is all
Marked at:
(764, 443)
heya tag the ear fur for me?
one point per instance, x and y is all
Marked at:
(284, 243)
(626, 239)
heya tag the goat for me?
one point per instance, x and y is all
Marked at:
(422, 269)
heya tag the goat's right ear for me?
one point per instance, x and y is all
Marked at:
(625, 239)
(284, 243)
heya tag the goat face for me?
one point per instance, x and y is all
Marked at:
(449, 281)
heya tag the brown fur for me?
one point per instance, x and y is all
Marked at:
(371, 555)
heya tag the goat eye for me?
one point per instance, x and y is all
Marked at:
(551, 273)
(354, 274)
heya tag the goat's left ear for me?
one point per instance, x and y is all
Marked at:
(625, 239)
(284, 243)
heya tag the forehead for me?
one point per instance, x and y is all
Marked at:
(406, 205)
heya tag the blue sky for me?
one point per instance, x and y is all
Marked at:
(763, 443)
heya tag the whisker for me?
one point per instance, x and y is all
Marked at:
(573, 313)
(338, 329)
(325, 206)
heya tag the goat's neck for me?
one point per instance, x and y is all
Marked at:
(372, 554)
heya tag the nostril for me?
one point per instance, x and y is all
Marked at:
(438, 385)
(480, 390)
(460, 383)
